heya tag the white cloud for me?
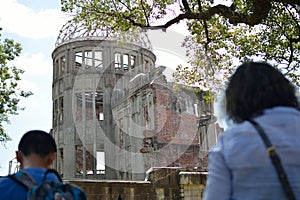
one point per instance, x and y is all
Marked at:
(26, 22)
(28, 86)
(34, 64)
(29, 23)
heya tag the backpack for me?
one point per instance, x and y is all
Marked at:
(48, 190)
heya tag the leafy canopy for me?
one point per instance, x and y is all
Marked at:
(10, 93)
(220, 35)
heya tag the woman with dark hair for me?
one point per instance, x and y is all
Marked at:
(239, 167)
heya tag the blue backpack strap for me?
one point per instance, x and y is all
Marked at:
(24, 179)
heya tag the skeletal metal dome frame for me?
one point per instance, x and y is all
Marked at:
(74, 30)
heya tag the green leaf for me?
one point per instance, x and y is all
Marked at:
(10, 93)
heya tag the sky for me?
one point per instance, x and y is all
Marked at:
(36, 24)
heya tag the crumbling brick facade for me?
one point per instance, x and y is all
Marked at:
(171, 133)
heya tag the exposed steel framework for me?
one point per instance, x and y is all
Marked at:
(73, 30)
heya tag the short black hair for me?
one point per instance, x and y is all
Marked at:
(256, 86)
(37, 142)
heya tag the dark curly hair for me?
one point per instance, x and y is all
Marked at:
(256, 86)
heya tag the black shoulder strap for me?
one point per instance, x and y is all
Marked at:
(53, 171)
(271, 151)
(24, 179)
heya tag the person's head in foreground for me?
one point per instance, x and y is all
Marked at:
(254, 87)
(36, 149)
(239, 165)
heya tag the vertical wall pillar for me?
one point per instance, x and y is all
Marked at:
(69, 151)
(94, 131)
(83, 132)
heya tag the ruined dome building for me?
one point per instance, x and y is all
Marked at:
(114, 113)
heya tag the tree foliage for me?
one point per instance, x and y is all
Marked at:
(220, 34)
(10, 93)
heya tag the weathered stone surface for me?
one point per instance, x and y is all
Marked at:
(164, 184)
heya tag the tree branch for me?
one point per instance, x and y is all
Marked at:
(260, 12)
(169, 23)
(146, 16)
(234, 17)
(292, 53)
(208, 40)
(294, 18)
(186, 6)
(293, 2)
(126, 6)
(295, 40)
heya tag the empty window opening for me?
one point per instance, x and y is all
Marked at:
(78, 109)
(56, 69)
(78, 60)
(121, 142)
(88, 59)
(118, 61)
(89, 105)
(88, 159)
(55, 113)
(100, 165)
(99, 105)
(63, 64)
(132, 61)
(146, 116)
(196, 109)
(146, 65)
(61, 110)
(98, 59)
(60, 160)
(125, 61)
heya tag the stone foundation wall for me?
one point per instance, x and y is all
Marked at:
(173, 185)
